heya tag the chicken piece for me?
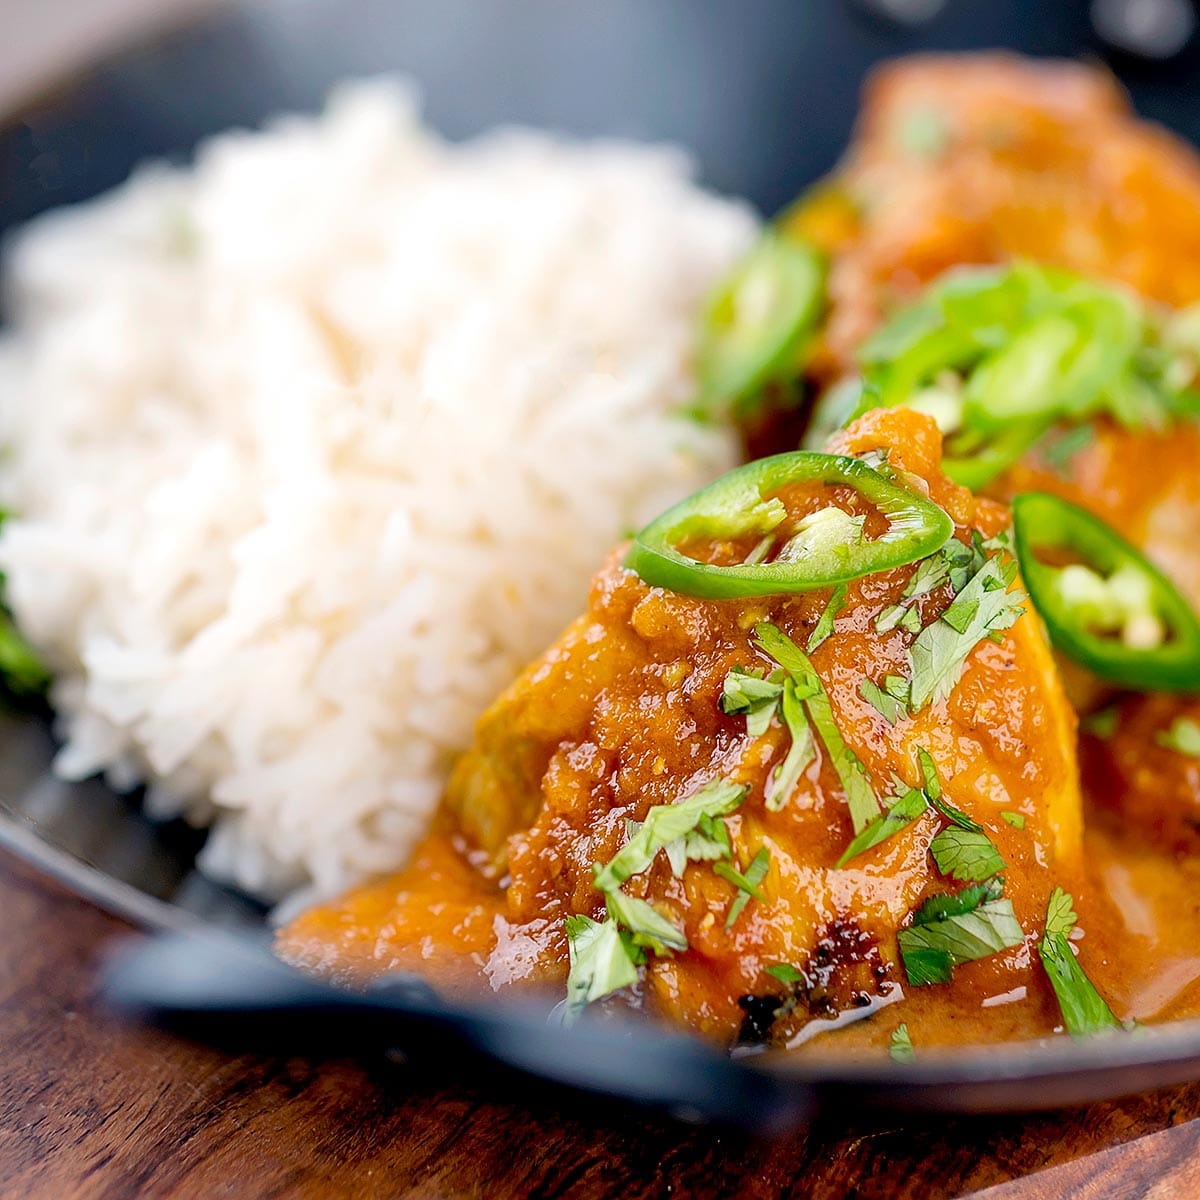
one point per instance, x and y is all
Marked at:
(986, 158)
(623, 713)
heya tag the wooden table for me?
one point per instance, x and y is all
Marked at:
(92, 1108)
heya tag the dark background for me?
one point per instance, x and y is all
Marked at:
(763, 91)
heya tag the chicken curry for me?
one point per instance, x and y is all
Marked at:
(895, 739)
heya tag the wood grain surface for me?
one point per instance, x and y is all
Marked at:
(92, 1108)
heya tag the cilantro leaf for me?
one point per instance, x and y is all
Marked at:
(903, 812)
(708, 842)
(891, 708)
(646, 925)
(747, 693)
(746, 884)
(924, 965)
(1083, 1009)
(602, 961)
(952, 904)
(860, 798)
(930, 573)
(933, 790)
(664, 823)
(824, 625)
(801, 752)
(901, 1047)
(785, 973)
(953, 929)
(939, 652)
(1183, 737)
(967, 855)
(1102, 723)
(1015, 819)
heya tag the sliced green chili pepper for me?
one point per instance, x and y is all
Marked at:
(758, 322)
(1022, 348)
(824, 548)
(1110, 610)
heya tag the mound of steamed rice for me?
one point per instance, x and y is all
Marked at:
(315, 443)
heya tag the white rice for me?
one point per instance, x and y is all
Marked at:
(316, 442)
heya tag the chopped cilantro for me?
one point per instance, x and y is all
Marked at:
(801, 752)
(898, 616)
(860, 798)
(785, 973)
(951, 904)
(824, 625)
(708, 842)
(747, 693)
(1015, 819)
(967, 855)
(952, 929)
(664, 823)
(646, 925)
(933, 789)
(746, 884)
(891, 707)
(1102, 723)
(1084, 1010)
(901, 1047)
(1183, 737)
(984, 607)
(602, 961)
(904, 811)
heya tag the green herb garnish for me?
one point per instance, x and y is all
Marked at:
(860, 798)
(746, 884)
(664, 823)
(890, 706)
(1102, 723)
(984, 607)
(933, 790)
(901, 1047)
(824, 625)
(952, 929)
(747, 693)
(1183, 737)
(1015, 819)
(647, 926)
(1059, 452)
(708, 842)
(967, 855)
(785, 973)
(603, 960)
(1084, 1010)
(904, 810)
(800, 753)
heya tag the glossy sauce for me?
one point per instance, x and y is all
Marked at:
(622, 712)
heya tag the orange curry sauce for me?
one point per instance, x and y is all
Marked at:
(623, 713)
(1034, 159)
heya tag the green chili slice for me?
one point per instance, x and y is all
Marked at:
(758, 322)
(1108, 608)
(824, 548)
(1007, 352)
